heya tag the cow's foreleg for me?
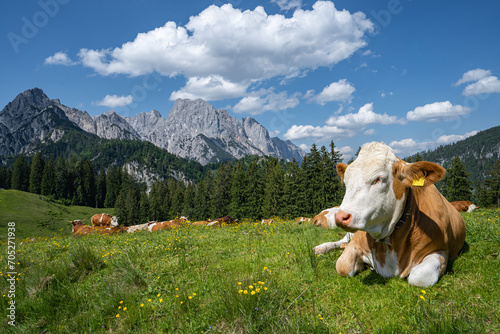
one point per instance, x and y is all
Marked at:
(329, 246)
(427, 272)
(351, 261)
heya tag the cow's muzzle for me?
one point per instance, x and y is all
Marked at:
(343, 219)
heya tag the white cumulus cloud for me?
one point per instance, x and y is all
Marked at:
(437, 111)
(60, 58)
(113, 101)
(209, 88)
(241, 47)
(473, 75)
(288, 4)
(340, 91)
(322, 132)
(486, 85)
(266, 100)
(364, 117)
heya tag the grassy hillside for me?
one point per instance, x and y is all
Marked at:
(247, 278)
(35, 216)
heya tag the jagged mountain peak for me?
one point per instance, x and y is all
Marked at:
(194, 129)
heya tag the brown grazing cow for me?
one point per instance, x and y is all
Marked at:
(80, 229)
(464, 206)
(103, 219)
(404, 226)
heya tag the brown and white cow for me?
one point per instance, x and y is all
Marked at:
(136, 228)
(404, 226)
(80, 229)
(167, 225)
(219, 221)
(326, 219)
(301, 220)
(464, 206)
(103, 219)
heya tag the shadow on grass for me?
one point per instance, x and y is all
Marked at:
(375, 279)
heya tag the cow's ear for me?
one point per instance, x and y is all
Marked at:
(341, 167)
(422, 173)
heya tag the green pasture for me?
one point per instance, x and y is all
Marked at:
(246, 278)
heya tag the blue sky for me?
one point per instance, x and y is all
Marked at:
(414, 74)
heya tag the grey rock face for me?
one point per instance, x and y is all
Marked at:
(194, 129)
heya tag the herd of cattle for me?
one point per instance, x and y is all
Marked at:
(397, 222)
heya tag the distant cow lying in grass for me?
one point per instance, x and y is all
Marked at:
(81, 229)
(301, 220)
(326, 219)
(219, 221)
(167, 225)
(404, 226)
(464, 206)
(136, 228)
(103, 219)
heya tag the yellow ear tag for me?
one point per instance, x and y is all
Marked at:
(419, 182)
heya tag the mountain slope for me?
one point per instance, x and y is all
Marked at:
(478, 153)
(193, 130)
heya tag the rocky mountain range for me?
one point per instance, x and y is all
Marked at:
(194, 129)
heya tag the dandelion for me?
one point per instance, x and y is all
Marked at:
(142, 305)
(245, 292)
(423, 291)
(194, 293)
(118, 315)
(161, 300)
(250, 286)
(121, 302)
(422, 297)
(119, 307)
(149, 300)
(239, 283)
(125, 308)
(176, 296)
(239, 291)
(158, 295)
(253, 293)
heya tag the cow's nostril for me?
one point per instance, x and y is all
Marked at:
(343, 218)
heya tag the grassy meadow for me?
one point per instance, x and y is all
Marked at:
(246, 278)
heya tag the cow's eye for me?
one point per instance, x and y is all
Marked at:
(379, 179)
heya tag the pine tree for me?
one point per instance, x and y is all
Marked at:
(101, 188)
(36, 173)
(5, 177)
(293, 191)
(273, 189)
(237, 192)
(202, 198)
(113, 185)
(20, 174)
(456, 186)
(253, 192)
(492, 186)
(62, 181)
(189, 201)
(143, 208)
(418, 157)
(89, 184)
(220, 197)
(156, 198)
(48, 178)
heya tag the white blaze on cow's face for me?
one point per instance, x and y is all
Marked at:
(370, 203)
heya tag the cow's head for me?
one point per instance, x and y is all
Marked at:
(377, 185)
(75, 223)
(114, 221)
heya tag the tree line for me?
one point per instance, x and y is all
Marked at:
(253, 187)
